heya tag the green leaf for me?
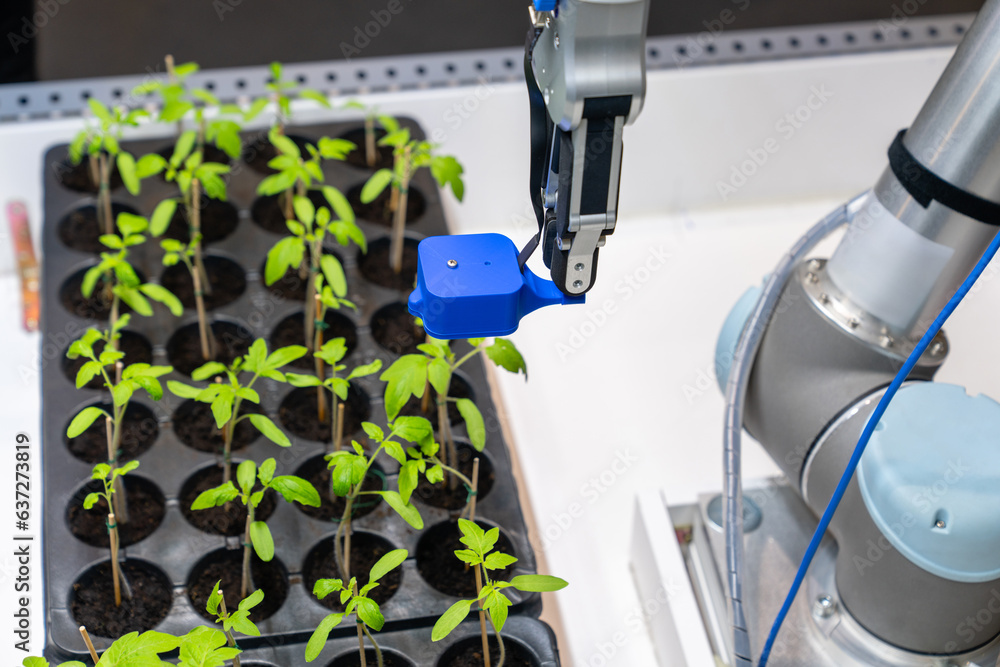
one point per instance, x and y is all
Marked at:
(208, 370)
(414, 429)
(299, 380)
(498, 561)
(246, 475)
(474, 537)
(368, 611)
(284, 145)
(284, 356)
(407, 511)
(538, 583)
(497, 604)
(91, 500)
(339, 203)
(405, 377)
(395, 450)
(87, 373)
(365, 370)
(276, 183)
(439, 375)
(450, 619)
(135, 650)
(387, 563)
(134, 300)
(263, 543)
(182, 390)
(150, 165)
(503, 353)
(255, 108)
(304, 210)
(214, 600)
(324, 587)
(90, 279)
(99, 110)
(318, 639)
(447, 171)
(473, 422)
(270, 431)
(286, 254)
(315, 96)
(174, 110)
(127, 170)
(334, 274)
(335, 149)
(373, 431)
(162, 295)
(83, 420)
(161, 217)
(220, 495)
(182, 149)
(375, 185)
(296, 489)
(468, 556)
(252, 600)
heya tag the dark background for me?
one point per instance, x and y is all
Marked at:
(65, 39)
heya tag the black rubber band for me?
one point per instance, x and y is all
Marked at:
(925, 186)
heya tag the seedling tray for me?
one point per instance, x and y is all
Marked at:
(176, 546)
(531, 640)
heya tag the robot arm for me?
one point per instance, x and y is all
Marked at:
(585, 68)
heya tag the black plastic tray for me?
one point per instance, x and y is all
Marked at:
(415, 645)
(176, 545)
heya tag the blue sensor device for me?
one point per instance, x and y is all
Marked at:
(471, 286)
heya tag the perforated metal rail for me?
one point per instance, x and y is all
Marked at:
(715, 45)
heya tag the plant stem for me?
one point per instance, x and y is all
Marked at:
(315, 254)
(337, 428)
(444, 431)
(378, 650)
(479, 576)
(361, 644)
(113, 321)
(370, 140)
(247, 585)
(320, 370)
(228, 429)
(399, 223)
(172, 78)
(115, 573)
(231, 641)
(503, 650)
(199, 277)
(104, 193)
(342, 540)
(89, 643)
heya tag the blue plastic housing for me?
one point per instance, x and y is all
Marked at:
(471, 286)
(545, 5)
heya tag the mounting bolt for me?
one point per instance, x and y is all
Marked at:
(555, 41)
(937, 347)
(579, 266)
(940, 524)
(886, 340)
(824, 299)
(578, 284)
(824, 607)
(814, 264)
(452, 263)
(812, 278)
(854, 323)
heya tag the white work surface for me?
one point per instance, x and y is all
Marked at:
(621, 396)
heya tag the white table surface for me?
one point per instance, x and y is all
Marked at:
(622, 395)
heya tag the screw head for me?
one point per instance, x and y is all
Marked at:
(824, 607)
(578, 284)
(452, 263)
(886, 340)
(937, 347)
(579, 266)
(824, 299)
(940, 523)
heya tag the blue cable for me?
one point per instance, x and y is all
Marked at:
(866, 435)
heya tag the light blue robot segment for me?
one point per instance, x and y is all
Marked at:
(725, 346)
(930, 480)
(471, 286)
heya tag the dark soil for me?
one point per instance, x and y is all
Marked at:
(298, 413)
(226, 278)
(139, 431)
(374, 265)
(258, 151)
(227, 565)
(459, 388)
(209, 153)
(291, 287)
(136, 347)
(218, 220)
(389, 659)
(438, 566)
(366, 549)
(145, 503)
(229, 521)
(395, 329)
(291, 331)
(80, 230)
(443, 496)
(77, 176)
(92, 602)
(359, 156)
(184, 347)
(378, 211)
(268, 211)
(469, 653)
(195, 426)
(98, 306)
(316, 472)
